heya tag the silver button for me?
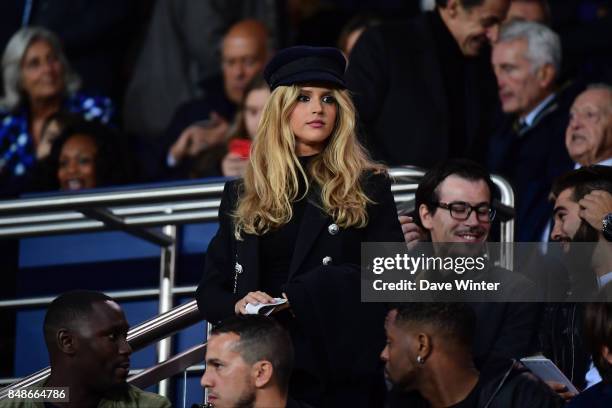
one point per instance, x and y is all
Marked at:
(327, 260)
(238, 268)
(333, 229)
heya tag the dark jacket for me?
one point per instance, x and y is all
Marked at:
(562, 341)
(502, 384)
(395, 75)
(530, 160)
(598, 396)
(510, 384)
(337, 337)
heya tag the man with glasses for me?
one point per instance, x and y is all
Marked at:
(453, 204)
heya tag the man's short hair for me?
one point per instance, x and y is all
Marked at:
(456, 321)
(583, 181)
(543, 44)
(427, 193)
(598, 331)
(69, 308)
(466, 4)
(262, 338)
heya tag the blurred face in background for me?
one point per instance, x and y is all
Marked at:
(529, 10)
(42, 73)
(77, 163)
(243, 56)
(588, 137)
(473, 27)
(521, 87)
(253, 106)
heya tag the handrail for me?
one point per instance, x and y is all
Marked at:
(142, 213)
(138, 337)
(117, 295)
(172, 366)
(139, 196)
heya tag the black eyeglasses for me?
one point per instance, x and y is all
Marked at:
(461, 211)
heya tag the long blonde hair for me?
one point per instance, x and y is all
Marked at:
(271, 180)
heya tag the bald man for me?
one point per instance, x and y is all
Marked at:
(244, 53)
(181, 50)
(202, 124)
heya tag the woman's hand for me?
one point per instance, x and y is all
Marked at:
(233, 165)
(254, 298)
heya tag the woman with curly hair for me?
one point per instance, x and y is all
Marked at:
(293, 229)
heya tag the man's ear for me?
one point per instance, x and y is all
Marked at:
(606, 354)
(262, 373)
(423, 345)
(426, 216)
(66, 342)
(546, 75)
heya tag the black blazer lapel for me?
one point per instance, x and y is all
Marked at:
(313, 221)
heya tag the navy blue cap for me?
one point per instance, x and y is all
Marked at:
(301, 64)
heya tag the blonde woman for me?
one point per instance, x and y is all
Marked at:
(293, 228)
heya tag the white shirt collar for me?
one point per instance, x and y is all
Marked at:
(607, 162)
(604, 279)
(528, 120)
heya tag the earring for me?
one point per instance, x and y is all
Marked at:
(420, 360)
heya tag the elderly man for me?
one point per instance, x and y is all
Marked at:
(528, 147)
(201, 124)
(588, 137)
(85, 333)
(248, 363)
(424, 88)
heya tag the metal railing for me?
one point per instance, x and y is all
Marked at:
(135, 211)
(138, 337)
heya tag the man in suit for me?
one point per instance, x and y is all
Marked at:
(528, 147)
(424, 88)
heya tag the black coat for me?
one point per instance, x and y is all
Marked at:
(337, 338)
(531, 160)
(396, 79)
(502, 384)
